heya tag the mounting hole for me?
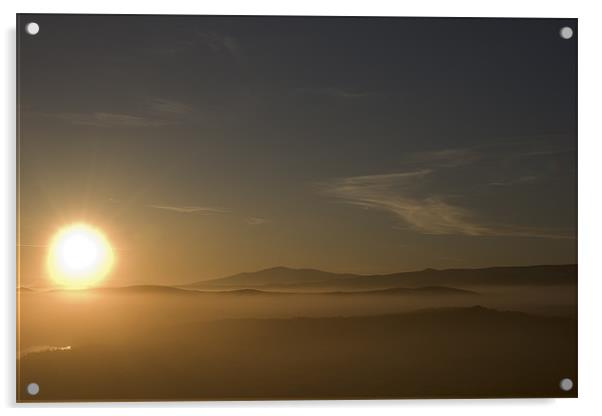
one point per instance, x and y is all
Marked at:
(32, 28)
(33, 389)
(566, 384)
(566, 32)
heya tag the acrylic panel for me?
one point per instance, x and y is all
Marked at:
(271, 208)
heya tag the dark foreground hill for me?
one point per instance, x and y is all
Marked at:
(307, 279)
(435, 353)
(412, 291)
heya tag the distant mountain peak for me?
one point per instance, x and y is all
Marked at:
(282, 269)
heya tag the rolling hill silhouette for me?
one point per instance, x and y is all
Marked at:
(134, 290)
(310, 279)
(168, 290)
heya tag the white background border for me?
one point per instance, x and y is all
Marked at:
(590, 198)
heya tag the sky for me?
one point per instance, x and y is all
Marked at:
(205, 146)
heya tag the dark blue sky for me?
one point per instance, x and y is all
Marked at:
(208, 145)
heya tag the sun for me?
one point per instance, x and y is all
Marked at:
(79, 256)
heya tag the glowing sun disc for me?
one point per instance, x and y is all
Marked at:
(79, 256)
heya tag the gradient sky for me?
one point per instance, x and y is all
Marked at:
(205, 146)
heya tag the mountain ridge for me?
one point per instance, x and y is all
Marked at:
(289, 278)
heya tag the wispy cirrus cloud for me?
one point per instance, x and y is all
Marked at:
(256, 220)
(409, 197)
(201, 210)
(101, 119)
(392, 193)
(170, 107)
(209, 210)
(517, 181)
(221, 43)
(196, 42)
(445, 158)
(155, 112)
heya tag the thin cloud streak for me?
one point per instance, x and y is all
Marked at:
(157, 112)
(191, 209)
(256, 221)
(446, 158)
(519, 181)
(395, 193)
(100, 119)
(170, 107)
(214, 43)
(220, 43)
